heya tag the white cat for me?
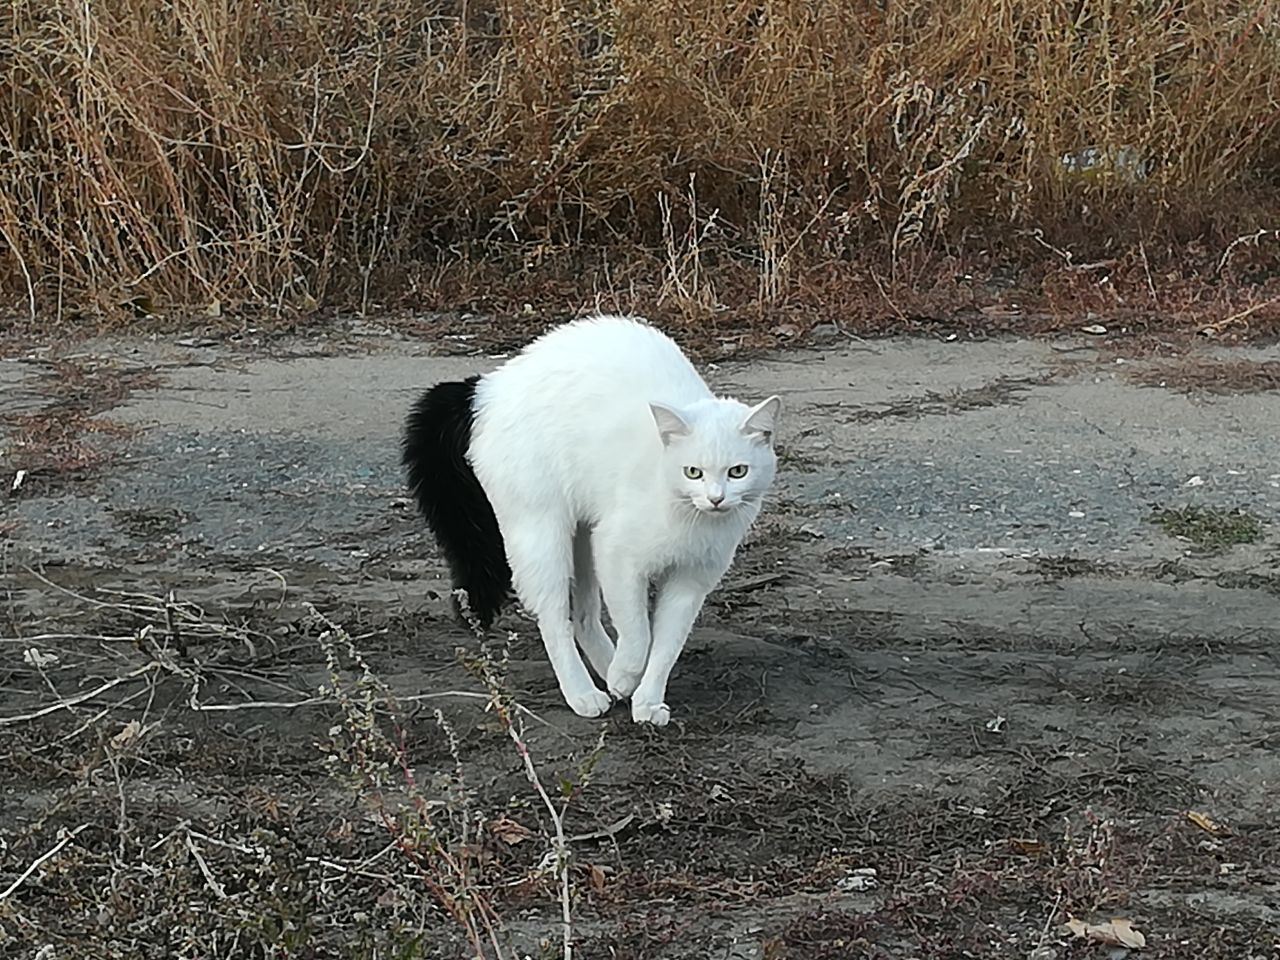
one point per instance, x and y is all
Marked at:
(595, 460)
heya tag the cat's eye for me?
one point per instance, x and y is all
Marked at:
(693, 473)
(738, 471)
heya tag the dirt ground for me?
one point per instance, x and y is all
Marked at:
(1000, 654)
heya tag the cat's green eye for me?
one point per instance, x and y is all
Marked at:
(693, 473)
(738, 471)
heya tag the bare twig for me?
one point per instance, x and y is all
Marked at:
(1212, 329)
(26, 273)
(1250, 239)
(1048, 921)
(604, 833)
(43, 858)
(218, 890)
(52, 637)
(1146, 269)
(329, 701)
(560, 846)
(1067, 256)
(69, 702)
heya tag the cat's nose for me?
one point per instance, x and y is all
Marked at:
(715, 499)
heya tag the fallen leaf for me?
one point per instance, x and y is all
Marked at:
(128, 733)
(597, 877)
(1028, 845)
(35, 658)
(1118, 932)
(860, 878)
(1205, 823)
(477, 852)
(509, 831)
(141, 305)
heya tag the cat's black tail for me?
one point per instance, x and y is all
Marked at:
(436, 439)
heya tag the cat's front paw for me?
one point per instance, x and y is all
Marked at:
(588, 703)
(658, 714)
(623, 682)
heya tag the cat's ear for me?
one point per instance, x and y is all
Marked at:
(762, 418)
(670, 423)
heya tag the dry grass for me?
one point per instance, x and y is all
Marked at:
(158, 155)
(421, 873)
(1209, 375)
(66, 437)
(57, 443)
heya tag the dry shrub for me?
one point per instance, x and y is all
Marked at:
(207, 153)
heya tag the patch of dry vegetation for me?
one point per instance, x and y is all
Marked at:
(1211, 375)
(179, 788)
(67, 436)
(411, 862)
(179, 154)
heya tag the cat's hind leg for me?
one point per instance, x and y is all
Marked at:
(586, 606)
(540, 550)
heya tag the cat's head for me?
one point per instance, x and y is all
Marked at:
(718, 453)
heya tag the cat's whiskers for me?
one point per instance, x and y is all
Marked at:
(684, 513)
(688, 514)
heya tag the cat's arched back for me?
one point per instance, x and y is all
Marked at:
(607, 464)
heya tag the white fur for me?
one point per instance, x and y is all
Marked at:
(581, 444)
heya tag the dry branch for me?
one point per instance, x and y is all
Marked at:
(40, 860)
(69, 702)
